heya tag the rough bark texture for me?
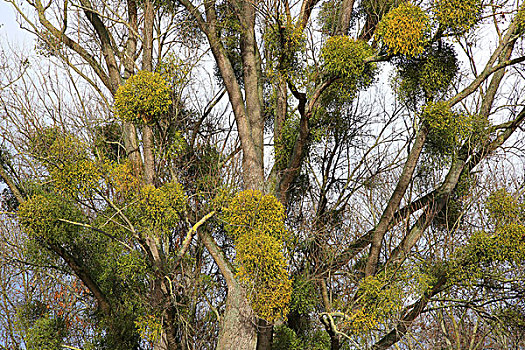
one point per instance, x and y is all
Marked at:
(347, 6)
(238, 323)
(149, 161)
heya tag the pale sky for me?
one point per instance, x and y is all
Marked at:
(9, 28)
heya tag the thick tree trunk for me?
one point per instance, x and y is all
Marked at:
(335, 342)
(238, 329)
(253, 163)
(131, 144)
(149, 161)
(343, 24)
(129, 130)
(264, 335)
(147, 65)
(238, 323)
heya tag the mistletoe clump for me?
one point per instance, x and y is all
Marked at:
(377, 298)
(159, 209)
(458, 15)
(503, 242)
(447, 128)
(345, 59)
(504, 208)
(427, 76)
(405, 30)
(285, 42)
(143, 98)
(256, 223)
(48, 218)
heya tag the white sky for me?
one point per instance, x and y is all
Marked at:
(9, 28)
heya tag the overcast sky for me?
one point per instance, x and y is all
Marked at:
(9, 28)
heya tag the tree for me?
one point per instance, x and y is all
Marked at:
(156, 222)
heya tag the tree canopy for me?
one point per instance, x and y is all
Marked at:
(239, 174)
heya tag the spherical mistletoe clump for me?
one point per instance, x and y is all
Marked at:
(40, 217)
(52, 145)
(78, 178)
(458, 15)
(446, 128)
(486, 251)
(122, 179)
(263, 270)
(46, 334)
(285, 41)
(506, 244)
(160, 208)
(251, 212)
(376, 300)
(429, 75)
(143, 97)
(344, 58)
(438, 116)
(405, 30)
(504, 207)
(256, 222)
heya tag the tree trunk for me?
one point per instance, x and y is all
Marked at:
(335, 342)
(238, 331)
(264, 335)
(149, 161)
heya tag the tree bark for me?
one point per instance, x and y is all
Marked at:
(149, 160)
(264, 335)
(237, 331)
(347, 6)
